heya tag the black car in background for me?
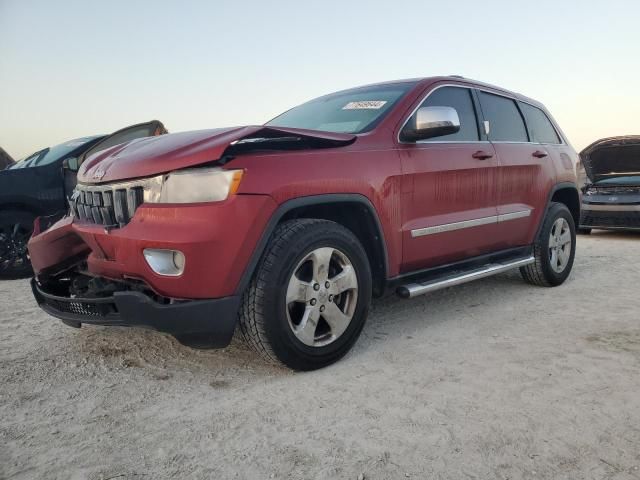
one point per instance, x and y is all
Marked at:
(611, 191)
(39, 186)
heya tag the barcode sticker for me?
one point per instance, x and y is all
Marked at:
(365, 105)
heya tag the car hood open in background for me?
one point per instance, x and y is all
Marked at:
(155, 155)
(612, 157)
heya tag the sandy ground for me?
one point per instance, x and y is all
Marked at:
(495, 379)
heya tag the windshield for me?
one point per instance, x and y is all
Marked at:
(52, 154)
(350, 111)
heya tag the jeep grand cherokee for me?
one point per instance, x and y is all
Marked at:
(286, 230)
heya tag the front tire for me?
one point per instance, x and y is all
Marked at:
(554, 250)
(16, 228)
(310, 296)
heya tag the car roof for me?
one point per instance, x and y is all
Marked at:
(423, 82)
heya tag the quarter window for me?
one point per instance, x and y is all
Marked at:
(505, 122)
(460, 99)
(540, 126)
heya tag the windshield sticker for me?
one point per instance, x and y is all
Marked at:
(365, 105)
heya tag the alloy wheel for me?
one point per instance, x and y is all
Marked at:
(13, 247)
(560, 245)
(321, 296)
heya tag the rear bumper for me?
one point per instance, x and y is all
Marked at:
(207, 323)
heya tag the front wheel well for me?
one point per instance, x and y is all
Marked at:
(362, 222)
(569, 197)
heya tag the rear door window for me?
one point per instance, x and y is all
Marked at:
(505, 121)
(461, 100)
(540, 127)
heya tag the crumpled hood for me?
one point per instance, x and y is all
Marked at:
(156, 155)
(612, 157)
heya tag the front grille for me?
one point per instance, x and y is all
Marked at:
(82, 308)
(595, 218)
(612, 190)
(102, 309)
(110, 207)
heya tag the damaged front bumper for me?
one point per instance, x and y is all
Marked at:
(198, 306)
(197, 323)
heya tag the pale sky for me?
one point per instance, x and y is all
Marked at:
(75, 68)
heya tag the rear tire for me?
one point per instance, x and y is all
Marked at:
(309, 298)
(554, 250)
(16, 228)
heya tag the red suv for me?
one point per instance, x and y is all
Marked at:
(287, 229)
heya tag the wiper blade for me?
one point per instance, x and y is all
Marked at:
(266, 139)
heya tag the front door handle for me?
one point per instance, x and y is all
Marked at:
(481, 155)
(539, 154)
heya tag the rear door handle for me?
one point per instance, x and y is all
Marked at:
(481, 155)
(539, 154)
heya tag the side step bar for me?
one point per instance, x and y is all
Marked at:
(411, 290)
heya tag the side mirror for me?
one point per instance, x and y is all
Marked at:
(429, 122)
(71, 163)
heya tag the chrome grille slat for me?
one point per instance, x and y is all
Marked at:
(134, 199)
(110, 206)
(120, 206)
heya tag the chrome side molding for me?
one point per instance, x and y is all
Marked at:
(505, 217)
(449, 227)
(414, 289)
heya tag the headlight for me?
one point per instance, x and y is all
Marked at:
(193, 186)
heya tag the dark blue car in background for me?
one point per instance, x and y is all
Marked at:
(39, 186)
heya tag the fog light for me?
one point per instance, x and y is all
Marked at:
(165, 262)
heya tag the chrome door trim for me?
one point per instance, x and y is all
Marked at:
(450, 227)
(476, 222)
(505, 217)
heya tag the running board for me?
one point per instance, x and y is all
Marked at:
(414, 289)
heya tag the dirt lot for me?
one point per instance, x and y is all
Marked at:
(494, 379)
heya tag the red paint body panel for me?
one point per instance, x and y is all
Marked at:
(523, 184)
(411, 186)
(372, 173)
(449, 186)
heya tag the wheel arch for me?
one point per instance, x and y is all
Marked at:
(355, 212)
(567, 194)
